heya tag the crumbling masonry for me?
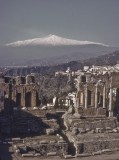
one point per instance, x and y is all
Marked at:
(20, 91)
(98, 94)
(93, 127)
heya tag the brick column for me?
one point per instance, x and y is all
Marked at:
(81, 98)
(77, 102)
(104, 96)
(96, 96)
(23, 98)
(14, 96)
(86, 97)
(33, 99)
(110, 103)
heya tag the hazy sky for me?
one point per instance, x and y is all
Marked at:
(92, 20)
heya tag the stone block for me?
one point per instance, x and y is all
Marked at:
(50, 131)
(51, 154)
(28, 155)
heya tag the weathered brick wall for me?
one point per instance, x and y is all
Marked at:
(43, 149)
(92, 111)
(95, 124)
(94, 146)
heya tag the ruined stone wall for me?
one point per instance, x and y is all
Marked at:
(20, 91)
(98, 91)
(92, 111)
(43, 148)
(92, 124)
(95, 146)
(58, 147)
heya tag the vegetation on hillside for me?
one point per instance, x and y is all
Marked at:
(50, 86)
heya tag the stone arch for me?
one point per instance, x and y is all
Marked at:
(98, 97)
(83, 78)
(101, 101)
(38, 102)
(18, 99)
(81, 98)
(116, 104)
(28, 99)
(89, 97)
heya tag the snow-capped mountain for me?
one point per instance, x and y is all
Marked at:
(51, 40)
(50, 50)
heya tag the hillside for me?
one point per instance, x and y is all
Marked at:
(108, 59)
(42, 70)
(50, 86)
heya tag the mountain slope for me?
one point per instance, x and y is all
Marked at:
(108, 59)
(50, 50)
(52, 40)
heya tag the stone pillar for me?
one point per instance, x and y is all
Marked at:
(104, 96)
(92, 98)
(110, 99)
(23, 98)
(81, 98)
(77, 102)
(14, 96)
(33, 99)
(96, 96)
(110, 103)
(86, 97)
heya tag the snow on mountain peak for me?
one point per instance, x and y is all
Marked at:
(51, 40)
